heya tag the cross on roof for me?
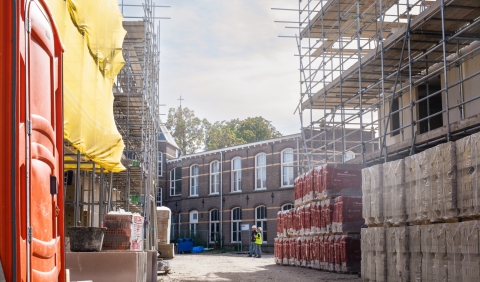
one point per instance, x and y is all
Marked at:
(180, 100)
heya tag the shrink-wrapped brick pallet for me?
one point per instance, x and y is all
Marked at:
(372, 189)
(394, 192)
(308, 186)
(431, 185)
(327, 215)
(317, 183)
(468, 176)
(463, 256)
(341, 180)
(442, 203)
(434, 253)
(368, 256)
(298, 189)
(414, 246)
(347, 214)
(380, 254)
(417, 186)
(349, 253)
(398, 263)
(298, 251)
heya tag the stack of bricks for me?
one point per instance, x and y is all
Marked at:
(124, 231)
(323, 230)
(427, 228)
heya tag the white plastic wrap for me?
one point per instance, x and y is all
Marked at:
(442, 202)
(415, 249)
(398, 258)
(394, 192)
(468, 188)
(417, 186)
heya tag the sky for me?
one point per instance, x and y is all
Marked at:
(226, 59)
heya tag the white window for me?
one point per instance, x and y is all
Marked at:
(159, 197)
(176, 181)
(214, 177)
(287, 167)
(237, 174)
(261, 220)
(193, 222)
(214, 226)
(261, 171)
(194, 180)
(287, 207)
(159, 164)
(236, 225)
(349, 155)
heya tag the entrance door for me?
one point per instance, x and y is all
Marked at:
(45, 162)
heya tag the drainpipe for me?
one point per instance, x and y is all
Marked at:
(221, 200)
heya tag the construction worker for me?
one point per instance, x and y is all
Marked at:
(258, 243)
(253, 236)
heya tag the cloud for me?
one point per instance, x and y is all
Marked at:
(226, 60)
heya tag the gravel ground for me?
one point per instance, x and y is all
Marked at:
(236, 267)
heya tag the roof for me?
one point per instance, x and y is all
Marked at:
(243, 146)
(165, 135)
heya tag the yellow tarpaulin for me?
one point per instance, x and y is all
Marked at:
(92, 34)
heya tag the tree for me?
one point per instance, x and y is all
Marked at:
(256, 129)
(236, 132)
(221, 135)
(186, 129)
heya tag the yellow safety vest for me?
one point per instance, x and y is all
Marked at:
(258, 240)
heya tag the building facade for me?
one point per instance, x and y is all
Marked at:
(211, 194)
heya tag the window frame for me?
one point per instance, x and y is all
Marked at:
(236, 223)
(288, 165)
(236, 176)
(173, 182)
(193, 224)
(214, 176)
(160, 164)
(213, 233)
(262, 222)
(282, 208)
(194, 178)
(263, 169)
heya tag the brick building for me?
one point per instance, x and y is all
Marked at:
(249, 183)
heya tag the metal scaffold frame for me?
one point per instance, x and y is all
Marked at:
(373, 73)
(137, 107)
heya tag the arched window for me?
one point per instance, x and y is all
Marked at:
(287, 207)
(237, 174)
(287, 167)
(261, 220)
(194, 180)
(214, 177)
(261, 171)
(236, 225)
(214, 226)
(176, 181)
(193, 222)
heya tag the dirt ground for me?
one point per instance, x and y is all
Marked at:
(237, 267)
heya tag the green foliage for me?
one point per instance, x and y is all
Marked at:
(193, 134)
(236, 132)
(186, 129)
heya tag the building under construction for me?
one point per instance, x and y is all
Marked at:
(405, 70)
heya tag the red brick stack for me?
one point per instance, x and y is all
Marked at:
(323, 230)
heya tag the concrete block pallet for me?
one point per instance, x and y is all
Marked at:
(428, 226)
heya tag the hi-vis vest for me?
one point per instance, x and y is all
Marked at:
(258, 240)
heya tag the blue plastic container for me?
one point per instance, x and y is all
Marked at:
(185, 245)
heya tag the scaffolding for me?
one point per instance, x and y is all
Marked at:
(405, 71)
(136, 111)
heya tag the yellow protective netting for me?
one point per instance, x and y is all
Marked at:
(92, 33)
